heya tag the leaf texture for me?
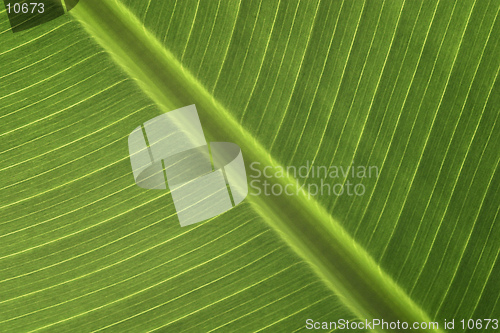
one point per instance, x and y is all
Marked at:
(408, 86)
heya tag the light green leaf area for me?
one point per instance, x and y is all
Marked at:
(410, 87)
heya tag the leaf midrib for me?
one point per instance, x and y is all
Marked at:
(305, 225)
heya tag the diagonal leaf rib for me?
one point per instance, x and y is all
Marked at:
(306, 226)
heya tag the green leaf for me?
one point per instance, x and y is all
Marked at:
(408, 87)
